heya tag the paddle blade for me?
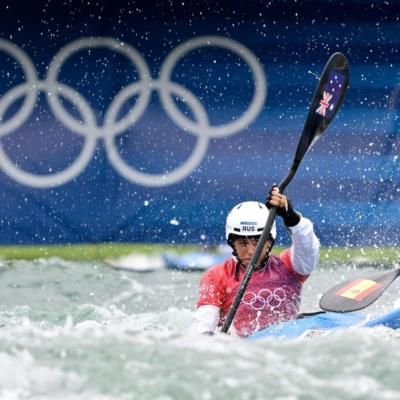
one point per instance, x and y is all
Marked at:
(356, 294)
(328, 97)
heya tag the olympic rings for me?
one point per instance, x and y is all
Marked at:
(260, 86)
(76, 167)
(265, 297)
(87, 126)
(179, 173)
(29, 103)
(81, 44)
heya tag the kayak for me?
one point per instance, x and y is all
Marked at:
(137, 262)
(196, 260)
(322, 323)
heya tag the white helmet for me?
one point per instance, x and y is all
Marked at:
(248, 219)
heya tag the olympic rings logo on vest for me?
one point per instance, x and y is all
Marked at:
(111, 127)
(265, 297)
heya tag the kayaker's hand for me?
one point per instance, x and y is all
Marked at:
(284, 207)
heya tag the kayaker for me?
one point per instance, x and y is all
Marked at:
(274, 290)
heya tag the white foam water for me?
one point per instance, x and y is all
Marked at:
(87, 331)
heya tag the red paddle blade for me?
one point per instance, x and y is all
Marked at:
(356, 294)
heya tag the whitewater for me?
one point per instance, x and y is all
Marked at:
(83, 330)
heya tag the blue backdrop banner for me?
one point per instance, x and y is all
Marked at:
(131, 121)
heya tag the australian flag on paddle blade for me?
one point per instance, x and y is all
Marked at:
(330, 94)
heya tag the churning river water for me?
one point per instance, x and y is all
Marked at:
(82, 330)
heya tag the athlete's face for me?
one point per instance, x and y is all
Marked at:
(246, 246)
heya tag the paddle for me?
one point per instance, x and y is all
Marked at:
(356, 294)
(327, 99)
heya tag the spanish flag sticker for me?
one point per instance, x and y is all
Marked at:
(358, 290)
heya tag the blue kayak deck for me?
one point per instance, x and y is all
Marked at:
(317, 325)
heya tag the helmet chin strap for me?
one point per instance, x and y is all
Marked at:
(239, 263)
